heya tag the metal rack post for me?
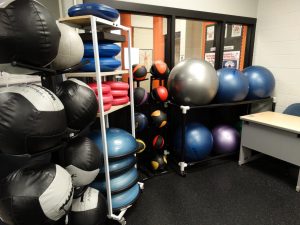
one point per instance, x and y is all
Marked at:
(131, 84)
(102, 119)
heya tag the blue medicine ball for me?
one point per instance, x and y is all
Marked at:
(141, 122)
(233, 85)
(198, 142)
(261, 82)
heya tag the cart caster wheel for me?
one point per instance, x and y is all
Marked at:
(122, 221)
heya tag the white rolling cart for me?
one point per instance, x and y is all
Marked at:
(94, 24)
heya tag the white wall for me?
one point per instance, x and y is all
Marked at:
(277, 47)
(232, 7)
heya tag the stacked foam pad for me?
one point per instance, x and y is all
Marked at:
(123, 174)
(106, 94)
(107, 53)
(119, 91)
(113, 92)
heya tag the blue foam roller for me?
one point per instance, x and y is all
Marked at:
(119, 183)
(106, 64)
(105, 50)
(119, 166)
(120, 143)
(125, 198)
(95, 9)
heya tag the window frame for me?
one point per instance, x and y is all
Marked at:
(175, 13)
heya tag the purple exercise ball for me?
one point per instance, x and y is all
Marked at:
(226, 139)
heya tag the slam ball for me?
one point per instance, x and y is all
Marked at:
(70, 51)
(140, 96)
(32, 119)
(159, 69)
(233, 85)
(80, 103)
(88, 209)
(35, 194)
(193, 82)
(28, 33)
(159, 118)
(198, 142)
(83, 160)
(159, 94)
(139, 72)
(261, 82)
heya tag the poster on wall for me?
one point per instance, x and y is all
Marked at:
(210, 33)
(231, 59)
(146, 58)
(236, 30)
(210, 57)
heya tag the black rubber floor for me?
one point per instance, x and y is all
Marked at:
(259, 193)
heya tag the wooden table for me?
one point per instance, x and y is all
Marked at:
(271, 133)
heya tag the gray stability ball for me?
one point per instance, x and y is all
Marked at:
(193, 82)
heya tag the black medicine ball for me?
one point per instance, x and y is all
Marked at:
(140, 96)
(139, 72)
(80, 103)
(159, 162)
(158, 142)
(82, 159)
(32, 119)
(89, 209)
(28, 33)
(159, 118)
(35, 195)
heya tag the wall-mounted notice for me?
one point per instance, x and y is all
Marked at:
(231, 59)
(210, 33)
(210, 57)
(236, 30)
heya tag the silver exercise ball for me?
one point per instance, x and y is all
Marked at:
(70, 51)
(193, 82)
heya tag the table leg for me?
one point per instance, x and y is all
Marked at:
(245, 155)
(298, 183)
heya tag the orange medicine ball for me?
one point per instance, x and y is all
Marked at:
(159, 69)
(160, 94)
(139, 72)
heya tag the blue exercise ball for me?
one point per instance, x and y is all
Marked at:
(120, 143)
(233, 85)
(198, 142)
(261, 82)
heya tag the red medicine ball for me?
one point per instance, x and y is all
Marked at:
(139, 72)
(159, 69)
(160, 94)
(158, 142)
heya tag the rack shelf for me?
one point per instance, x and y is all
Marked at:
(215, 105)
(114, 108)
(93, 74)
(85, 21)
(186, 110)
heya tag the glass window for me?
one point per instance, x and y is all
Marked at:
(194, 39)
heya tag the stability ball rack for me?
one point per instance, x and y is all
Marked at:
(93, 24)
(186, 110)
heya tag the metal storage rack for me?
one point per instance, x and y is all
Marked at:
(94, 24)
(184, 110)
